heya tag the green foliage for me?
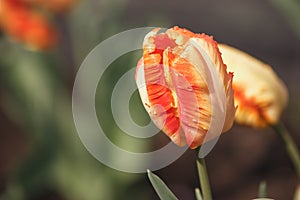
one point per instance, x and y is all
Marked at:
(160, 187)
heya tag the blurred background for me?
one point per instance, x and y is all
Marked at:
(43, 43)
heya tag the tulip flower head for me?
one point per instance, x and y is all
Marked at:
(260, 96)
(24, 21)
(27, 26)
(177, 71)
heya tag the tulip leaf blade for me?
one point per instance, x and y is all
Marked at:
(160, 187)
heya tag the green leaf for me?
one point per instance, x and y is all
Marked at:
(198, 194)
(160, 187)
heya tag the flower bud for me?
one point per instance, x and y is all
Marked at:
(260, 96)
(177, 76)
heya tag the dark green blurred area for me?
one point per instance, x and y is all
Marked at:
(41, 155)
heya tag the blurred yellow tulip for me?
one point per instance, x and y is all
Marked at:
(260, 96)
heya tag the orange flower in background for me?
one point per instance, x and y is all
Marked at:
(26, 26)
(22, 22)
(176, 78)
(260, 96)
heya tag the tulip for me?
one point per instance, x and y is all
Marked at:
(260, 96)
(177, 72)
(24, 25)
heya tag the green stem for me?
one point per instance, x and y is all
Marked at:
(204, 181)
(198, 194)
(290, 145)
(262, 190)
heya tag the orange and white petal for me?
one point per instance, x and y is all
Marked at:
(182, 71)
(208, 46)
(158, 99)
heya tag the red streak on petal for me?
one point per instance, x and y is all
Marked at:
(160, 94)
(162, 42)
(250, 106)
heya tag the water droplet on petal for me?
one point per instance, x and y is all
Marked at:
(189, 88)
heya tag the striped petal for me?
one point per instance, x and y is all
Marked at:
(181, 72)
